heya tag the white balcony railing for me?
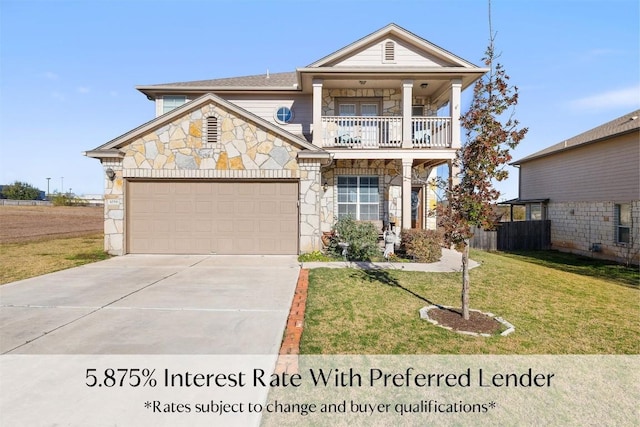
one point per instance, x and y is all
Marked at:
(374, 132)
(431, 132)
(361, 132)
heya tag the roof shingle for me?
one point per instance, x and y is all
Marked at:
(262, 80)
(627, 123)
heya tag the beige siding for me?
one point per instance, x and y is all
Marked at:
(608, 170)
(266, 106)
(405, 55)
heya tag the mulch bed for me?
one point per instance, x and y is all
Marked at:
(478, 322)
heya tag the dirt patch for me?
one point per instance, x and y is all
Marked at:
(478, 323)
(30, 223)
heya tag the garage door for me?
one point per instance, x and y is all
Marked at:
(192, 217)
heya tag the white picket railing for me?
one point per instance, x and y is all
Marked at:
(431, 132)
(384, 132)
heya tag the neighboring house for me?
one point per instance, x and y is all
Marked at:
(264, 164)
(589, 187)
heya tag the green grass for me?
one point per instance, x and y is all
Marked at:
(559, 304)
(23, 260)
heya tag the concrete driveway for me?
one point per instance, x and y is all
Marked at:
(152, 304)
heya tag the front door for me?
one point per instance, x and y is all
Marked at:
(417, 209)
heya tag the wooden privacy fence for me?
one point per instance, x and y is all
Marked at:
(514, 236)
(487, 240)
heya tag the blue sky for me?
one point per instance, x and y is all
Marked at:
(68, 68)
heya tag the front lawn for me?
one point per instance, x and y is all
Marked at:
(558, 305)
(29, 259)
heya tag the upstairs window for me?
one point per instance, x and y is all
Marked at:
(389, 52)
(212, 130)
(622, 214)
(170, 102)
(284, 115)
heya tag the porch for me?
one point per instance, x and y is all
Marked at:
(372, 132)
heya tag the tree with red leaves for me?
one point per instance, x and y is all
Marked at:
(491, 131)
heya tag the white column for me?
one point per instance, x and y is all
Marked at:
(317, 112)
(407, 100)
(454, 112)
(406, 193)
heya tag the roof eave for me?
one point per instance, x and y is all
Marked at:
(113, 153)
(536, 156)
(398, 31)
(159, 121)
(154, 90)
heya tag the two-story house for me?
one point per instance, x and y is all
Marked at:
(588, 186)
(264, 164)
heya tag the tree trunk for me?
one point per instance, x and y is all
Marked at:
(465, 280)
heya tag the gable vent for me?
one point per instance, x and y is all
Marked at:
(212, 130)
(389, 51)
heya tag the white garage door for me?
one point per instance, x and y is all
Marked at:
(195, 217)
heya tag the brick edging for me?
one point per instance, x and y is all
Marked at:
(290, 347)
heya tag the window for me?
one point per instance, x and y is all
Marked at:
(212, 130)
(284, 115)
(417, 110)
(389, 54)
(622, 214)
(536, 211)
(170, 102)
(359, 106)
(358, 196)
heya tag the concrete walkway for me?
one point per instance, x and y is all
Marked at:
(451, 261)
(152, 304)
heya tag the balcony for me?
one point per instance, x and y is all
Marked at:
(376, 132)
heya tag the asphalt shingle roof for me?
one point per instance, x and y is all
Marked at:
(262, 80)
(627, 123)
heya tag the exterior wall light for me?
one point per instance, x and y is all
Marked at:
(110, 174)
(325, 186)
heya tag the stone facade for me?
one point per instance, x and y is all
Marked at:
(390, 180)
(576, 226)
(182, 145)
(113, 208)
(391, 100)
(310, 189)
(180, 149)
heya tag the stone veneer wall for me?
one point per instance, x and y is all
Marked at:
(391, 100)
(390, 179)
(113, 208)
(180, 150)
(576, 225)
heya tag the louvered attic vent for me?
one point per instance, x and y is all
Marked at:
(389, 51)
(212, 130)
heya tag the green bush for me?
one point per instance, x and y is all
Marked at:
(20, 191)
(422, 245)
(315, 256)
(60, 199)
(362, 238)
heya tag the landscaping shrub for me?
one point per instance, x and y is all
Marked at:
(422, 245)
(315, 256)
(362, 238)
(60, 199)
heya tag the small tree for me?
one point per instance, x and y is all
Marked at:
(20, 191)
(481, 160)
